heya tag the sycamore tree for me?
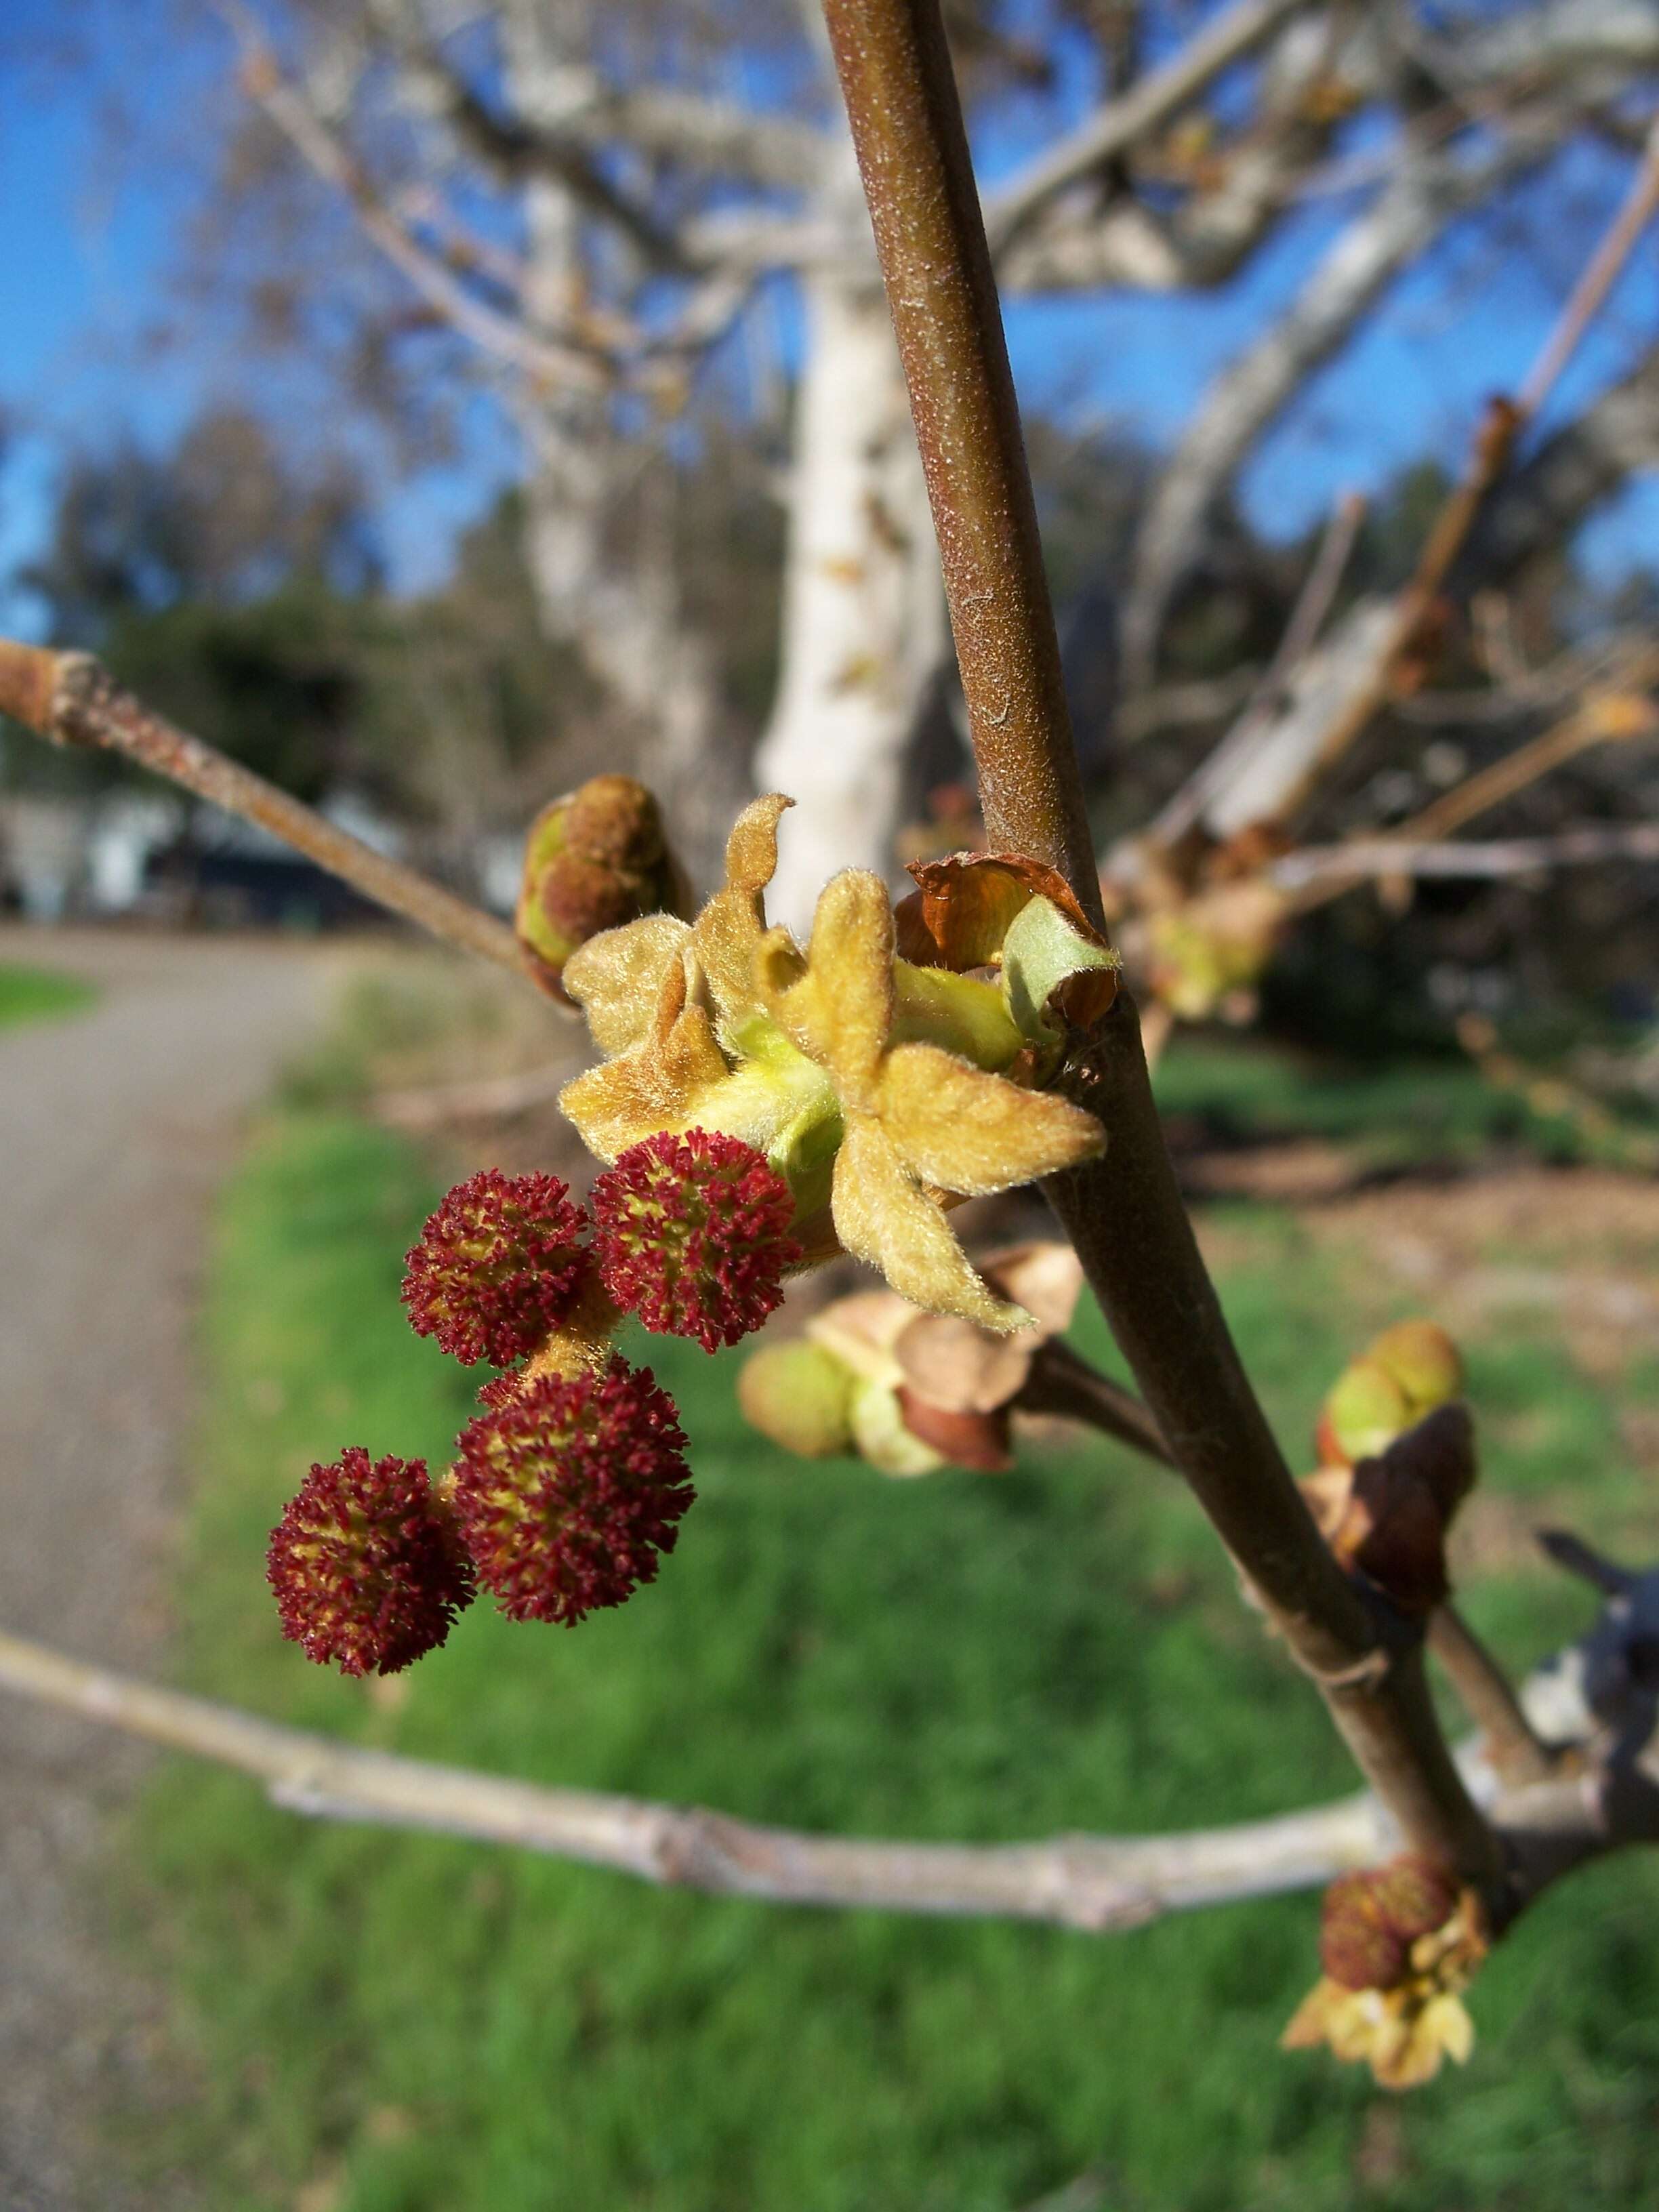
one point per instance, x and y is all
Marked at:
(761, 1102)
(596, 216)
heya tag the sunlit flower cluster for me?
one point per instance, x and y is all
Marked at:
(567, 1492)
(759, 1107)
(881, 1090)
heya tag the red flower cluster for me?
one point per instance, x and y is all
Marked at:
(368, 1566)
(693, 1236)
(568, 1493)
(499, 1267)
(1369, 1920)
(570, 1485)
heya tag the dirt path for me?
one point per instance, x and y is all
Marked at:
(115, 1126)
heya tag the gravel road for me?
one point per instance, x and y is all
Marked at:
(115, 1127)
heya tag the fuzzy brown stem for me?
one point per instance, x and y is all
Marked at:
(1124, 1213)
(73, 699)
(913, 151)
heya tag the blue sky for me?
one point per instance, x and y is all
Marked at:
(93, 344)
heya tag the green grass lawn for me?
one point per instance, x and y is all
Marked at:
(30, 994)
(396, 2023)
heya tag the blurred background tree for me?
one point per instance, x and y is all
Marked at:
(631, 240)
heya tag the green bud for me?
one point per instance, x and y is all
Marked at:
(1364, 1412)
(883, 1438)
(800, 1396)
(1423, 1360)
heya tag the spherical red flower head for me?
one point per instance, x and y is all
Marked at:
(568, 1494)
(498, 1267)
(368, 1566)
(692, 1234)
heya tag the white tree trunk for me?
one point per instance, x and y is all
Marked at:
(864, 612)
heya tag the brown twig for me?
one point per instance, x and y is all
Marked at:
(72, 699)
(1599, 274)
(1593, 722)
(1124, 1214)
(1513, 1750)
(1059, 1382)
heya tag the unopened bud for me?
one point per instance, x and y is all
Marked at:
(1369, 1920)
(1423, 1360)
(594, 860)
(801, 1395)
(1364, 1411)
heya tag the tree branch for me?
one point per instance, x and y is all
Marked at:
(1307, 619)
(913, 152)
(494, 333)
(1319, 872)
(1124, 1213)
(1514, 1749)
(1253, 391)
(1226, 39)
(1344, 688)
(1316, 879)
(1063, 1385)
(1088, 1882)
(1096, 1884)
(659, 120)
(71, 699)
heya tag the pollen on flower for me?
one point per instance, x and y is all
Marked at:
(366, 1565)
(568, 1493)
(692, 1233)
(501, 1389)
(498, 1267)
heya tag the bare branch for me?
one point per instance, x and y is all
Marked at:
(1061, 1383)
(1615, 713)
(498, 335)
(1341, 689)
(661, 120)
(1392, 232)
(1093, 1883)
(1545, 499)
(1329, 870)
(1097, 1884)
(69, 698)
(1513, 1748)
(1601, 273)
(1307, 619)
(1226, 39)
